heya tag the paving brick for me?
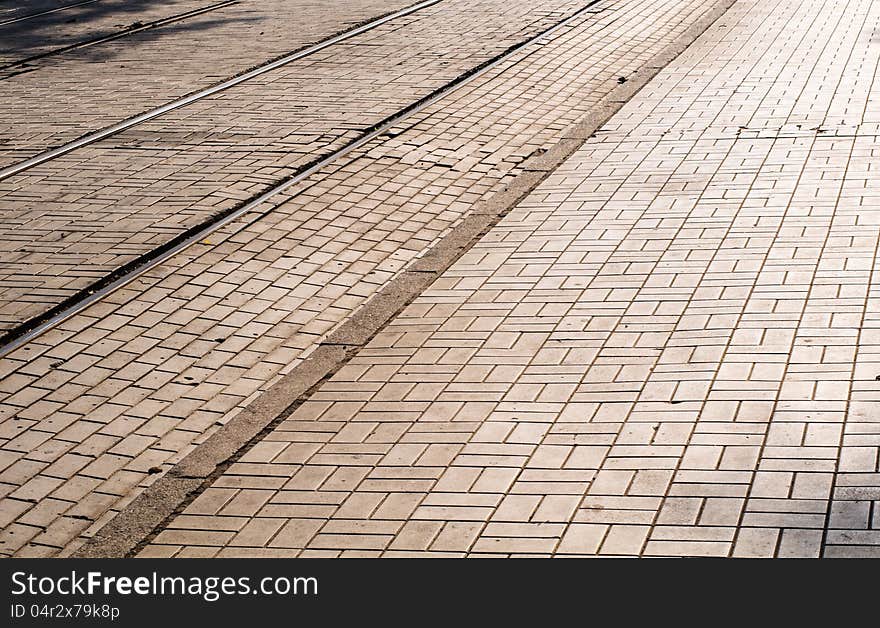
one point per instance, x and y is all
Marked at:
(165, 176)
(666, 348)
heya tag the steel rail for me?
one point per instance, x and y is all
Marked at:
(106, 132)
(20, 336)
(125, 32)
(55, 10)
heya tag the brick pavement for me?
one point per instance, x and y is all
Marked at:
(65, 96)
(76, 219)
(54, 30)
(12, 10)
(668, 348)
(99, 407)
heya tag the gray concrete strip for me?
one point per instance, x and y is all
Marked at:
(136, 524)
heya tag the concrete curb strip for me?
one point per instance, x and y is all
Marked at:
(136, 524)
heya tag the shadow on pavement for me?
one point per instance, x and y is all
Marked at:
(44, 34)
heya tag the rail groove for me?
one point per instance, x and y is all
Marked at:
(125, 32)
(106, 132)
(31, 16)
(21, 335)
(31, 329)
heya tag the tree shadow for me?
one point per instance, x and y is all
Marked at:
(17, 10)
(82, 22)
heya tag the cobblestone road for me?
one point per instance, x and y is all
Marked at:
(669, 348)
(94, 408)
